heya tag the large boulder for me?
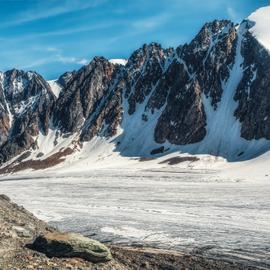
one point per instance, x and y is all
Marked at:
(72, 245)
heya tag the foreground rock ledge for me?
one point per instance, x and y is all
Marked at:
(72, 245)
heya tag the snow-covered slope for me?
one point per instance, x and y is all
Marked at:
(261, 20)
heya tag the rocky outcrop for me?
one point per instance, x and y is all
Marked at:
(183, 120)
(210, 57)
(65, 78)
(72, 245)
(82, 95)
(253, 92)
(143, 71)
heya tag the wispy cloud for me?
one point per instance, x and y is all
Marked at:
(37, 63)
(151, 22)
(83, 62)
(51, 49)
(56, 57)
(64, 32)
(51, 8)
(97, 26)
(140, 27)
(233, 14)
(67, 60)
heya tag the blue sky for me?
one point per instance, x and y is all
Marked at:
(53, 36)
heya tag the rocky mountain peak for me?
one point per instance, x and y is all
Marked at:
(82, 94)
(144, 69)
(65, 78)
(161, 100)
(26, 100)
(209, 33)
(148, 52)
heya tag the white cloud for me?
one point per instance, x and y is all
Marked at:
(67, 59)
(83, 61)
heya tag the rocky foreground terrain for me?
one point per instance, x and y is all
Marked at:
(19, 229)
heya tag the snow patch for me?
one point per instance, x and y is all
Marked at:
(55, 87)
(121, 62)
(261, 20)
(52, 143)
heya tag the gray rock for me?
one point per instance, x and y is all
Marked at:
(72, 245)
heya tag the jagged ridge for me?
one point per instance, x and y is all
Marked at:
(210, 96)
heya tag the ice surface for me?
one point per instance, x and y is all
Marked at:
(218, 212)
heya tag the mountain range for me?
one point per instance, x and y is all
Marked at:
(210, 96)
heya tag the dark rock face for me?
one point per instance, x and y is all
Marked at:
(4, 116)
(107, 116)
(82, 95)
(183, 120)
(198, 68)
(163, 88)
(211, 54)
(65, 78)
(28, 103)
(253, 92)
(144, 68)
